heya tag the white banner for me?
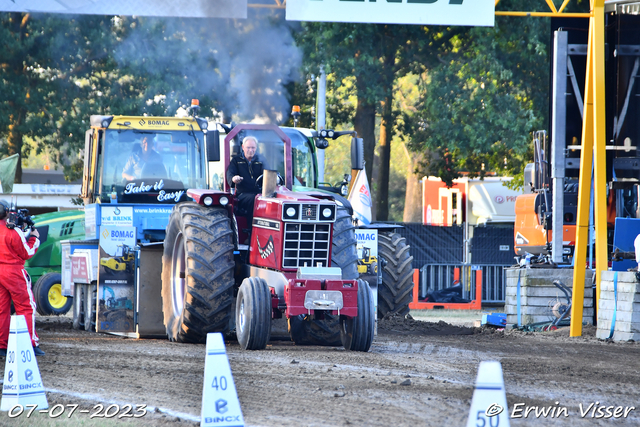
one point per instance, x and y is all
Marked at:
(420, 12)
(367, 239)
(178, 8)
(360, 198)
(116, 215)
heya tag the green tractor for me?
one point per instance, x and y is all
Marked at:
(44, 267)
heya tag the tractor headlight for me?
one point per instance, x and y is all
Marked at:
(208, 201)
(344, 190)
(327, 213)
(224, 200)
(290, 212)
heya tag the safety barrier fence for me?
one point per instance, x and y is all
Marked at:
(480, 284)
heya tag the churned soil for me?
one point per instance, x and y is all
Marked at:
(416, 374)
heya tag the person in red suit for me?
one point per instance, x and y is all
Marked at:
(16, 247)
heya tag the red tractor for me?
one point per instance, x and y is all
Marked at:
(297, 259)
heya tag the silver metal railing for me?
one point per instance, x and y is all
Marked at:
(435, 277)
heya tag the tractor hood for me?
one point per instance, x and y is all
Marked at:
(325, 194)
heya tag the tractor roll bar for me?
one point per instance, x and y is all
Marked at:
(288, 178)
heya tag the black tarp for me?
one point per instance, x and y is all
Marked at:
(433, 244)
(452, 294)
(492, 245)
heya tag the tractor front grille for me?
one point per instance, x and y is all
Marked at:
(310, 212)
(306, 245)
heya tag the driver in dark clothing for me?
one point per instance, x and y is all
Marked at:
(145, 155)
(243, 171)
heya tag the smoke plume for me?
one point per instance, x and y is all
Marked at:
(242, 66)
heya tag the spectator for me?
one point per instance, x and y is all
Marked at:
(16, 247)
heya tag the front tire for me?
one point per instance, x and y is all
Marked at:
(197, 273)
(253, 314)
(306, 330)
(48, 295)
(396, 291)
(357, 332)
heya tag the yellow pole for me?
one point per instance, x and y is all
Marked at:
(600, 142)
(593, 141)
(584, 196)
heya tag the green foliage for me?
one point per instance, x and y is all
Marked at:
(480, 104)
(480, 91)
(346, 50)
(357, 55)
(57, 70)
(338, 160)
(400, 164)
(303, 94)
(372, 56)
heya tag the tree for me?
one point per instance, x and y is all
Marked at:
(375, 55)
(53, 71)
(343, 50)
(478, 107)
(56, 71)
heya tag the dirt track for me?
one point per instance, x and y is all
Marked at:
(417, 373)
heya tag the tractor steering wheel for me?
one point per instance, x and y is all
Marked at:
(280, 180)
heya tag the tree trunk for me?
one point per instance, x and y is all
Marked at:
(16, 120)
(14, 140)
(386, 126)
(413, 194)
(365, 124)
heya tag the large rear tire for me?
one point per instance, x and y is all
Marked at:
(197, 273)
(305, 330)
(396, 291)
(357, 332)
(344, 252)
(47, 292)
(253, 314)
